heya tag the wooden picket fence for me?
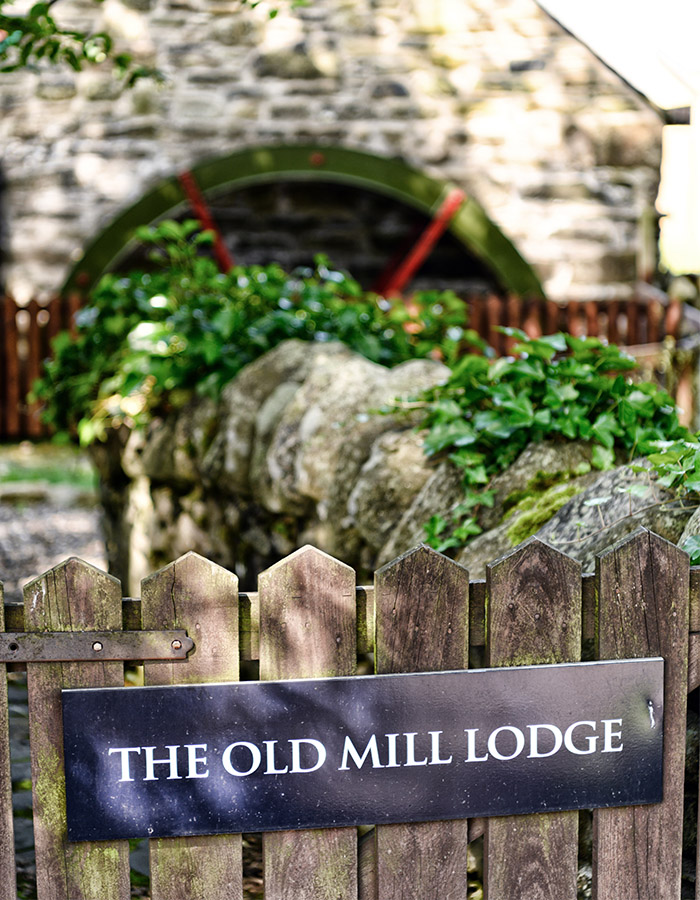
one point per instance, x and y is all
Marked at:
(308, 619)
(642, 323)
(26, 333)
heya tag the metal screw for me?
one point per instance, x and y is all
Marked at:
(176, 645)
(97, 646)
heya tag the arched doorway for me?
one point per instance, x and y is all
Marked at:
(270, 178)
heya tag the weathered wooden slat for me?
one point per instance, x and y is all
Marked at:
(422, 610)
(632, 336)
(534, 609)
(477, 613)
(655, 314)
(614, 322)
(693, 662)
(552, 316)
(592, 324)
(33, 368)
(588, 612)
(477, 315)
(8, 889)
(72, 596)
(201, 597)
(10, 388)
(643, 611)
(308, 629)
(531, 318)
(494, 316)
(694, 614)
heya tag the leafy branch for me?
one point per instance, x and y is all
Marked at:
(149, 339)
(553, 387)
(28, 40)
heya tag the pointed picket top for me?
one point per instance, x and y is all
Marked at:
(534, 606)
(643, 590)
(645, 538)
(189, 566)
(534, 551)
(79, 592)
(421, 554)
(306, 556)
(308, 615)
(422, 613)
(202, 597)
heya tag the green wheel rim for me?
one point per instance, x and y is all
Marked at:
(470, 225)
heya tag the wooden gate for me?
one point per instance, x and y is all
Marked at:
(308, 618)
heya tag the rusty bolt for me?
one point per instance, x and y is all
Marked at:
(176, 645)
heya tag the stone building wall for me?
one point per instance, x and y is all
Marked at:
(489, 93)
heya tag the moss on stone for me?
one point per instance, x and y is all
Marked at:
(531, 513)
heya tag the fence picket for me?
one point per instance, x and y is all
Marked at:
(426, 613)
(422, 625)
(73, 594)
(201, 597)
(534, 610)
(8, 878)
(307, 629)
(10, 363)
(643, 591)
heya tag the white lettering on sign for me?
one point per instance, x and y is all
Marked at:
(172, 761)
(511, 748)
(301, 756)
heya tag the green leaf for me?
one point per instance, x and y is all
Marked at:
(602, 458)
(606, 428)
(691, 545)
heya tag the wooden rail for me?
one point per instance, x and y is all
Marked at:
(422, 613)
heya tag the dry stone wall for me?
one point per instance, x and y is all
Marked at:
(489, 93)
(297, 451)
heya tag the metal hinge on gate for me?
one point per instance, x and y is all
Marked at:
(72, 646)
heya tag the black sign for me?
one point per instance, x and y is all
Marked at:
(264, 756)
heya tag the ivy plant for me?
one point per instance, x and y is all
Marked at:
(149, 339)
(558, 386)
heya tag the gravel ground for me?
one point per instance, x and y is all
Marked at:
(37, 534)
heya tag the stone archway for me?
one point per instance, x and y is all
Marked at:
(315, 166)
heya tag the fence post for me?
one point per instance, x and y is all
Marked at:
(422, 625)
(73, 594)
(643, 591)
(8, 877)
(534, 616)
(307, 629)
(201, 597)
